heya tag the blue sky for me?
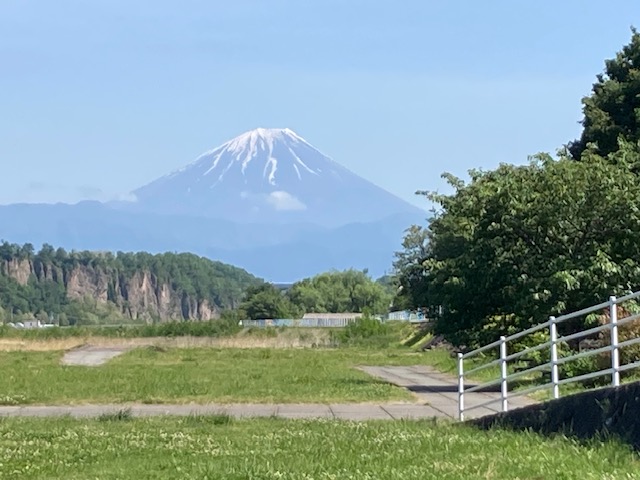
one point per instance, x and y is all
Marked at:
(99, 97)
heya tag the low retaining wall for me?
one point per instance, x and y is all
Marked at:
(602, 412)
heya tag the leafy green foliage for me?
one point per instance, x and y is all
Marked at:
(267, 301)
(521, 243)
(332, 292)
(225, 326)
(335, 292)
(365, 331)
(612, 112)
(409, 270)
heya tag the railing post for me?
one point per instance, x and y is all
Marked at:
(460, 387)
(553, 334)
(615, 350)
(503, 373)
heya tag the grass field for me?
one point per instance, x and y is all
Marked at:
(200, 375)
(219, 447)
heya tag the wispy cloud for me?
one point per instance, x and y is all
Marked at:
(282, 200)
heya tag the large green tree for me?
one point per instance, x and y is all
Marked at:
(520, 243)
(612, 111)
(266, 301)
(346, 291)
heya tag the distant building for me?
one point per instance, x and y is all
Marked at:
(31, 324)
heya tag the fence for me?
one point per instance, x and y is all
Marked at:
(552, 346)
(320, 322)
(406, 315)
(300, 322)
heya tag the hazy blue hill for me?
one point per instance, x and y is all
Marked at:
(275, 252)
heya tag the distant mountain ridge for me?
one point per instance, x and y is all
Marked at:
(283, 253)
(266, 201)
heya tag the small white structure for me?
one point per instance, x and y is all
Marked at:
(32, 324)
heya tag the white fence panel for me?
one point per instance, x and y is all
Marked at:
(504, 359)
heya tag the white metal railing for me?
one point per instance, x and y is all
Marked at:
(505, 359)
(299, 322)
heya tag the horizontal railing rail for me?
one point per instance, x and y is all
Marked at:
(508, 361)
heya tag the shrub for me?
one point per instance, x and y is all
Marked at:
(123, 415)
(213, 328)
(365, 331)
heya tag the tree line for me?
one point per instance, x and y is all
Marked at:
(517, 244)
(236, 292)
(351, 291)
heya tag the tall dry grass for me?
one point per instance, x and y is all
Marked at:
(283, 339)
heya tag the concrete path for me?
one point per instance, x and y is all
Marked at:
(91, 356)
(440, 390)
(350, 411)
(357, 412)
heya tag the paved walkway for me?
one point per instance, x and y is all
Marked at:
(333, 411)
(440, 390)
(436, 393)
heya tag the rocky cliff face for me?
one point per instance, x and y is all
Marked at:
(139, 296)
(19, 270)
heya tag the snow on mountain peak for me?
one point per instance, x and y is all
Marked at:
(263, 173)
(267, 150)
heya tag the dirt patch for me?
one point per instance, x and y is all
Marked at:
(92, 356)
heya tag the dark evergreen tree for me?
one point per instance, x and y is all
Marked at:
(612, 111)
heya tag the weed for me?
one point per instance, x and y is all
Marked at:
(9, 400)
(216, 420)
(123, 415)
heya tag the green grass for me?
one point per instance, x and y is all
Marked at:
(200, 375)
(219, 447)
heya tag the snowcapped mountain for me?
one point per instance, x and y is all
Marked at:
(269, 176)
(267, 201)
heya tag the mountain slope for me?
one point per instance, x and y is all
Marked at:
(269, 176)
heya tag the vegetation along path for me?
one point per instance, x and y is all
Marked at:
(436, 392)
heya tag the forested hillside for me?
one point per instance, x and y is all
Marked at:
(90, 287)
